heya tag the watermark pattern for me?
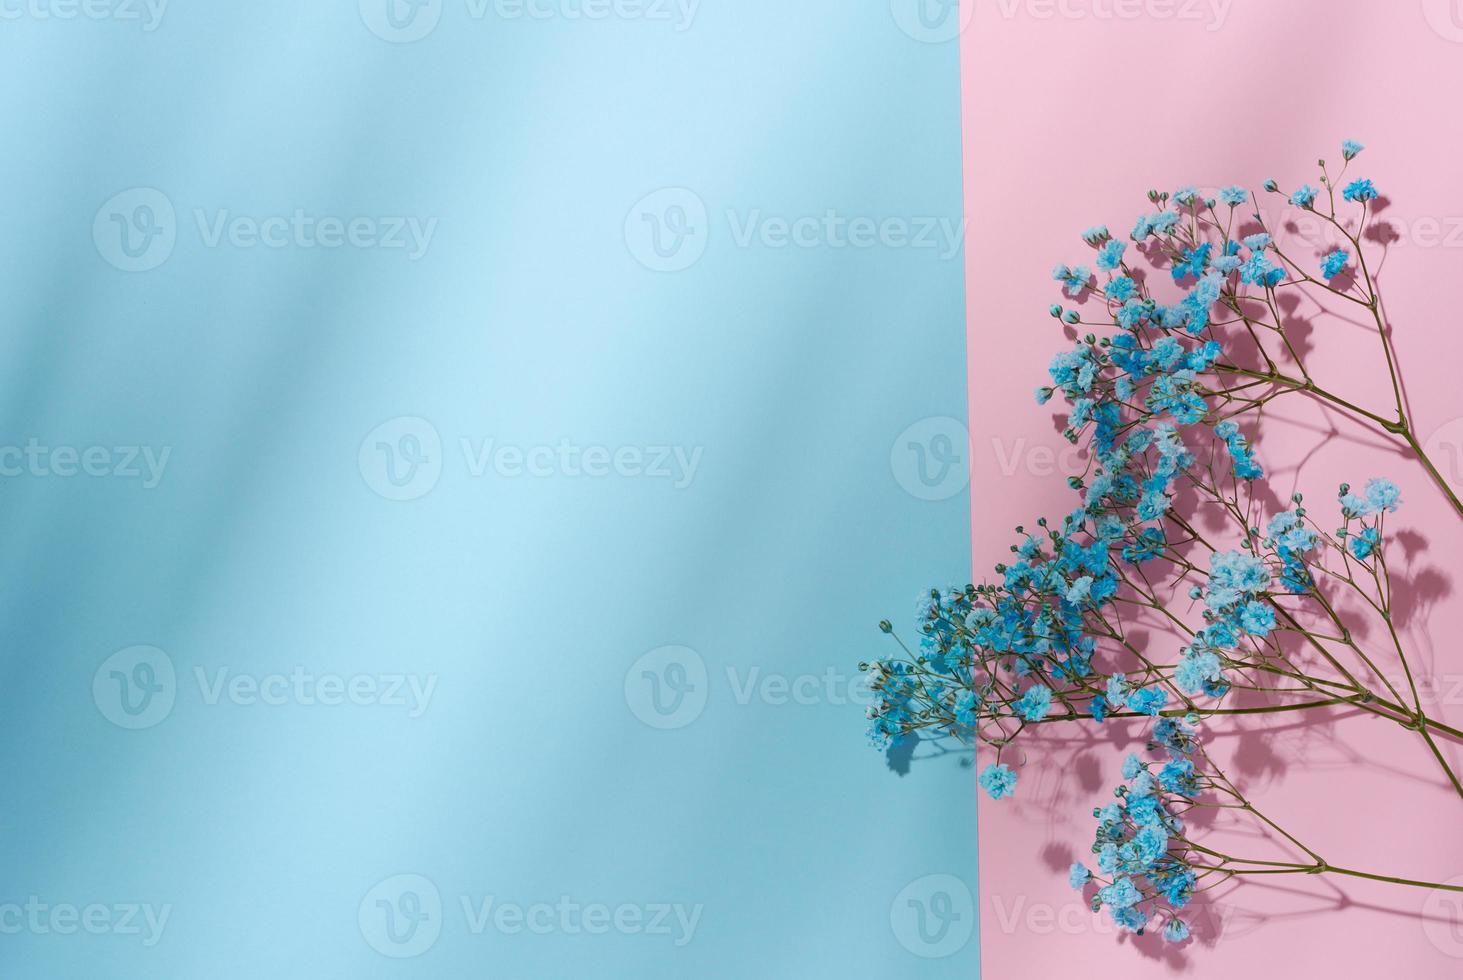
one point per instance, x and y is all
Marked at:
(137, 688)
(832, 687)
(933, 21)
(837, 230)
(1296, 225)
(669, 687)
(402, 459)
(401, 21)
(1445, 17)
(566, 458)
(669, 230)
(35, 917)
(1442, 919)
(146, 14)
(1296, 228)
(223, 685)
(934, 916)
(1074, 917)
(1445, 448)
(403, 917)
(407, 21)
(1443, 689)
(1211, 13)
(137, 230)
(673, 921)
(145, 464)
(1021, 455)
(931, 458)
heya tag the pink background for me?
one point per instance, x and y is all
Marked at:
(1069, 119)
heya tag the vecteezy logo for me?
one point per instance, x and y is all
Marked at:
(666, 231)
(1445, 448)
(667, 687)
(932, 21)
(135, 688)
(1445, 17)
(401, 917)
(136, 230)
(1442, 918)
(933, 916)
(401, 459)
(930, 459)
(401, 21)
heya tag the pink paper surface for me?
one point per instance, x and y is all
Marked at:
(1072, 111)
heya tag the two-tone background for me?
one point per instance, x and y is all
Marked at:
(453, 455)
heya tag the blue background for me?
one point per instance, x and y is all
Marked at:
(530, 319)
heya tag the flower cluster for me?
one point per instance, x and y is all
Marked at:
(1380, 497)
(1160, 373)
(1143, 871)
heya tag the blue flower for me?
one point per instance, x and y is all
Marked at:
(1382, 495)
(1148, 700)
(1257, 618)
(1245, 466)
(1121, 894)
(1350, 148)
(1073, 277)
(1360, 190)
(1177, 887)
(1079, 590)
(1362, 545)
(1175, 931)
(1117, 691)
(1035, 704)
(1178, 776)
(1304, 196)
(1258, 270)
(1149, 544)
(1290, 534)
(1234, 575)
(1234, 196)
(1174, 735)
(1195, 260)
(1155, 224)
(998, 780)
(1110, 256)
(1150, 843)
(1333, 263)
(966, 706)
(1121, 289)
(1079, 876)
(1195, 670)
